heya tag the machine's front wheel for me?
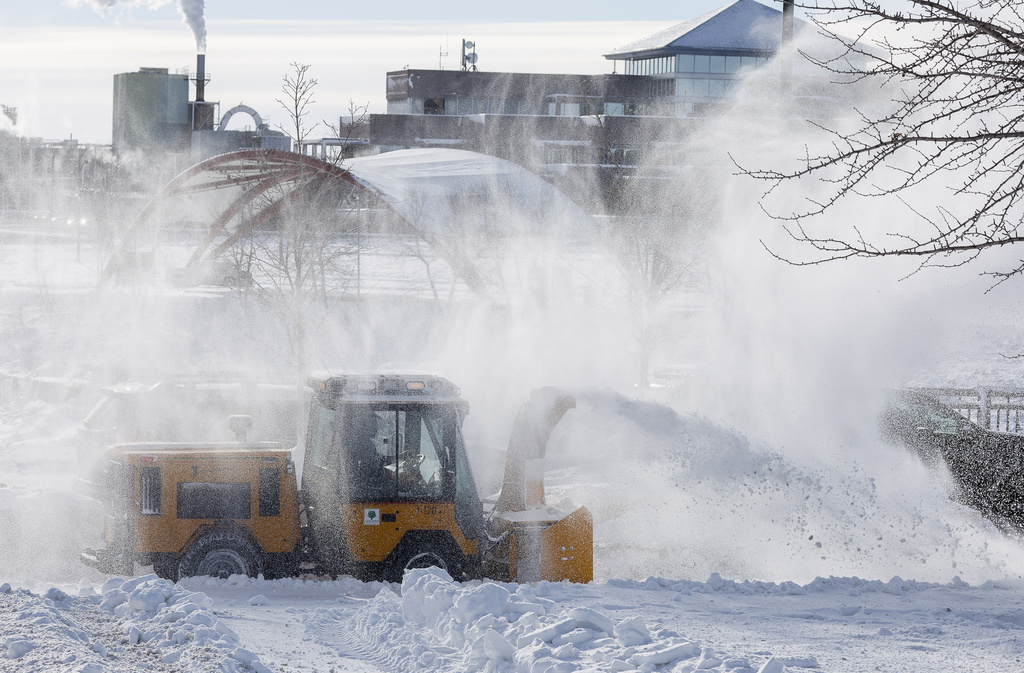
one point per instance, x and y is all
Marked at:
(424, 552)
(166, 567)
(221, 554)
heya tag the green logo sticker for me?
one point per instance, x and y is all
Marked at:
(371, 517)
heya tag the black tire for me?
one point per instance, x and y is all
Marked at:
(221, 554)
(424, 552)
(277, 566)
(166, 566)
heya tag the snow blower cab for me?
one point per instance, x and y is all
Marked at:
(387, 487)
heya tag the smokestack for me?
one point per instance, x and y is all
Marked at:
(200, 77)
(785, 65)
(787, 22)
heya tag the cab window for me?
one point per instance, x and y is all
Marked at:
(396, 452)
(319, 436)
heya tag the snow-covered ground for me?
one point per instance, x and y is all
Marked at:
(433, 623)
(760, 535)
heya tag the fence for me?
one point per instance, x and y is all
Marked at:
(998, 409)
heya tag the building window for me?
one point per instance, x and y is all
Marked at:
(663, 88)
(568, 154)
(727, 65)
(566, 109)
(472, 106)
(719, 88)
(653, 66)
(511, 107)
(616, 156)
(433, 106)
(699, 88)
(614, 109)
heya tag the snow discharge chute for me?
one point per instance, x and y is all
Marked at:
(543, 544)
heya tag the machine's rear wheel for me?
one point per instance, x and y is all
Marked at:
(221, 554)
(424, 552)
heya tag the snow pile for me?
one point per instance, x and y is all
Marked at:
(679, 495)
(122, 626)
(849, 586)
(487, 626)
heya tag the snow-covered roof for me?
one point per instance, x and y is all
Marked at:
(432, 187)
(744, 25)
(462, 202)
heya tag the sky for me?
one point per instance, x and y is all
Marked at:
(60, 56)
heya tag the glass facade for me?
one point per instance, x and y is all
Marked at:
(697, 63)
(698, 78)
(712, 64)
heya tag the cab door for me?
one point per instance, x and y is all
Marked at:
(121, 515)
(400, 464)
(322, 484)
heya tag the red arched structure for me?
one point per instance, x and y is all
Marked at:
(257, 173)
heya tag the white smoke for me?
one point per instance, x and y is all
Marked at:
(191, 10)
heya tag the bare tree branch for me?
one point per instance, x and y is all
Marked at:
(955, 118)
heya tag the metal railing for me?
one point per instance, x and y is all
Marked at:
(998, 409)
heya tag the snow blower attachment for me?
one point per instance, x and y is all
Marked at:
(539, 544)
(386, 487)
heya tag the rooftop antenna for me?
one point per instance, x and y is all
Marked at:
(468, 55)
(442, 53)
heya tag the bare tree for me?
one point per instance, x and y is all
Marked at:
(655, 263)
(297, 89)
(301, 259)
(658, 242)
(955, 75)
(351, 128)
(298, 257)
